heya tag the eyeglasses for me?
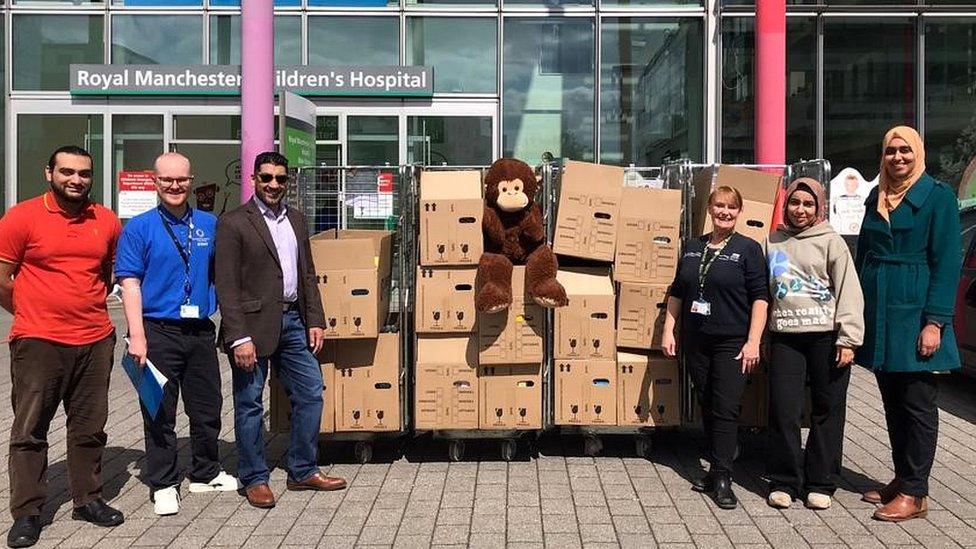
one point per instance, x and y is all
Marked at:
(175, 181)
(68, 172)
(267, 177)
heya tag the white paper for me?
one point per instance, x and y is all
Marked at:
(848, 191)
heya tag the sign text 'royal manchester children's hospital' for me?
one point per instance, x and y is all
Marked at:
(226, 80)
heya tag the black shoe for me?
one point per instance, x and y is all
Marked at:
(704, 484)
(99, 514)
(24, 532)
(724, 497)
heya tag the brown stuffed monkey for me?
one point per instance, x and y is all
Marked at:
(514, 235)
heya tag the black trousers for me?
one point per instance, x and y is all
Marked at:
(796, 360)
(719, 383)
(184, 352)
(913, 426)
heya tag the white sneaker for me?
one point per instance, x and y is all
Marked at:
(818, 502)
(220, 483)
(779, 500)
(166, 501)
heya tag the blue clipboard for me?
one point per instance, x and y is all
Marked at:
(148, 382)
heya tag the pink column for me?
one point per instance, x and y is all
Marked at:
(257, 86)
(771, 89)
(770, 81)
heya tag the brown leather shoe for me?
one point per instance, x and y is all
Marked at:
(903, 507)
(319, 482)
(883, 495)
(260, 496)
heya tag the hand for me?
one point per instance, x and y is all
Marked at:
(749, 355)
(844, 357)
(669, 345)
(138, 349)
(929, 340)
(245, 356)
(316, 336)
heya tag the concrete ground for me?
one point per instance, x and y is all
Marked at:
(558, 498)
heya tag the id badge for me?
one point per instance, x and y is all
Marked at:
(701, 307)
(189, 311)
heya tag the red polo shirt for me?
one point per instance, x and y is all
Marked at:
(59, 289)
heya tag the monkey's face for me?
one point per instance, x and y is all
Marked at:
(512, 196)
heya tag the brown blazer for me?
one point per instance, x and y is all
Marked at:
(249, 281)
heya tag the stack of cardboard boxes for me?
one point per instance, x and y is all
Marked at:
(360, 363)
(473, 371)
(605, 370)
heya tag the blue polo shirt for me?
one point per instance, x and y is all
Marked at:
(147, 252)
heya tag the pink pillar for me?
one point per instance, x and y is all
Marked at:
(770, 81)
(257, 86)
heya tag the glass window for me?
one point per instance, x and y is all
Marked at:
(353, 41)
(651, 3)
(137, 139)
(217, 175)
(550, 3)
(950, 101)
(452, 140)
(548, 88)
(39, 134)
(738, 89)
(157, 39)
(44, 46)
(213, 127)
(351, 3)
(449, 44)
(225, 40)
(450, 2)
(869, 86)
(153, 3)
(651, 105)
(327, 128)
(373, 140)
(236, 3)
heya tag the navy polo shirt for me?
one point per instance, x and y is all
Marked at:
(147, 252)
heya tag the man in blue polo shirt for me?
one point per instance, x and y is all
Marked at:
(165, 265)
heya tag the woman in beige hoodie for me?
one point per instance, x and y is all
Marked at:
(816, 321)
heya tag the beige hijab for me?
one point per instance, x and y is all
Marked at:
(892, 191)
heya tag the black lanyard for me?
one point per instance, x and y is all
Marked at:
(706, 263)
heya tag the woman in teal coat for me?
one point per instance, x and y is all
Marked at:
(908, 260)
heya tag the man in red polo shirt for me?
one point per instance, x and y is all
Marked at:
(59, 249)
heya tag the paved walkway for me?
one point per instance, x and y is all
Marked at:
(556, 499)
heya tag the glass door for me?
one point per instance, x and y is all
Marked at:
(450, 140)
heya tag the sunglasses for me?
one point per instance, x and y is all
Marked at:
(267, 177)
(68, 172)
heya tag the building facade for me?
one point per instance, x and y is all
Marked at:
(615, 81)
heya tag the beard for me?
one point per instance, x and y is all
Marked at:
(62, 193)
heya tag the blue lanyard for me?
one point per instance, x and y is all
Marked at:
(184, 252)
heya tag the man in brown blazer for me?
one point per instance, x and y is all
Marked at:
(271, 314)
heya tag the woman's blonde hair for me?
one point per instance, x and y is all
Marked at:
(725, 191)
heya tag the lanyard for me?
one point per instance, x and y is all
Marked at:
(184, 252)
(706, 263)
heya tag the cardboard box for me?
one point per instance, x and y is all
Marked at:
(755, 401)
(648, 390)
(281, 405)
(445, 300)
(446, 383)
(640, 315)
(513, 336)
(758, 190)
(586, 392)
(368, 384)
(648, 235)
(589, 203)
(585, 327)
(510, 396)
(353, 271)
(451, 209)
